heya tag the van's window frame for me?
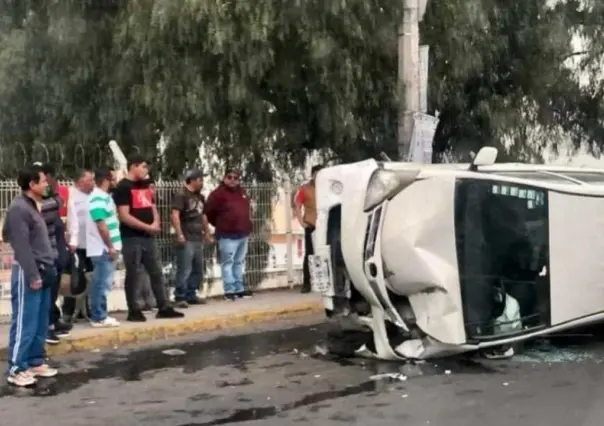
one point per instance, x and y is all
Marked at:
(537, 198)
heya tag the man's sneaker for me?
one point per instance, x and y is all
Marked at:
(181, 304)
(43, 370)
(166, 313)
(22, 379)
(196, 301)
(230, 297)
(106, 323)
(52, 338)
(245, 295)
(136, 316)
(63, 329)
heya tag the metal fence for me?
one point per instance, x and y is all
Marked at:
(274, 256)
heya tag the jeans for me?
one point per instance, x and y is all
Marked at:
(232, 252)
(308, 250)
(103, 268)
(189, 270)
(139, 251)
(29, 319)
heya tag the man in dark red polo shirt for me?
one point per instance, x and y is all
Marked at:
(228, 210)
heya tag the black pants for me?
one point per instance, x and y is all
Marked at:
(69, 303)
(142, 251)
(55, 312)
(308, 250)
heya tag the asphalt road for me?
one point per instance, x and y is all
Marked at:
(272, 375)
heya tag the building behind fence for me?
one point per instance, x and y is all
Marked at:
(275, 253)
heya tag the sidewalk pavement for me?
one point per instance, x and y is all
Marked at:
(216, 314)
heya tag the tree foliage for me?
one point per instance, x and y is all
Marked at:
(503, 74)
(269, 81)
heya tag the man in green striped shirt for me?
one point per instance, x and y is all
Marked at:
(103, 244)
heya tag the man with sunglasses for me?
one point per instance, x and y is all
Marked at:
(228, 210)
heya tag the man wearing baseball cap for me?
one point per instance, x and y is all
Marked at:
(228, 209)
(191, 229)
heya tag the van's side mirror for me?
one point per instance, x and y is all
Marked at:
(485, 157)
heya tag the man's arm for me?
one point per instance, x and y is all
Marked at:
(98, 214)
(104, 233)
(205, 224)
(298, 205)
(210, 208)
(123, 213)
(177, 207)
(156, 218)
(121, 197)
(73, 227)
(17, 230)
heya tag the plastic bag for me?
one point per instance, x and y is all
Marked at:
(75, 274)
(509, 321)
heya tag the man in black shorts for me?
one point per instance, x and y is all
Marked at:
(139, 223)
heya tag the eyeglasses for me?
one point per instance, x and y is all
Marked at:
(231, 177)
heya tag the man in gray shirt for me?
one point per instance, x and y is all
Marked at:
(33, 273)
(191, 230)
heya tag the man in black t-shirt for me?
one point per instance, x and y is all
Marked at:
(191, 229)
(139, 223)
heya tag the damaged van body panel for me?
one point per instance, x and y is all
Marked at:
(434, 260)
(420, 253)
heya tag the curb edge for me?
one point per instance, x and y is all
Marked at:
(159, 330)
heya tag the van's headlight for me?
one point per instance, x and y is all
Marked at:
(385, 184)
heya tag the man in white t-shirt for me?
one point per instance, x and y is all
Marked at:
(77, 210)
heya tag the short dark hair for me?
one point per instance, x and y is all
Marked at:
(102, 174)
(315, 169)
(46, 168)
(135, 160)
(28, 175)
(81, 173)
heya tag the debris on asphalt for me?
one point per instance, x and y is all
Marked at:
(392, 376)
(553, 355)
(321, 350)
(173, 352)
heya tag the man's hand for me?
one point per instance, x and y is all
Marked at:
(180, 239)
(209, 238)
(36, 284)
(112, 253)
(155, 228)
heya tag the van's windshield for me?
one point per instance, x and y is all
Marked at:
(502, 250)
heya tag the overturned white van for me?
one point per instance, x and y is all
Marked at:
(434, 260)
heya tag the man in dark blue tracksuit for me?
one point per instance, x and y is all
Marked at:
(33, 273)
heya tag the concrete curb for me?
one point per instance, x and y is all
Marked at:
(165, 329)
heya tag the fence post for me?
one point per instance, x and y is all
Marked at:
(289, 232)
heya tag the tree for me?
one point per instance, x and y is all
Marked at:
(269, 81)
(501, 75)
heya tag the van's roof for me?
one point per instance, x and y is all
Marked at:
(558, 174)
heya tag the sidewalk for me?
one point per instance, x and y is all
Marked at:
(214, 315)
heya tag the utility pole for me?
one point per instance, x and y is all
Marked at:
(408, 75)
(409, 72)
